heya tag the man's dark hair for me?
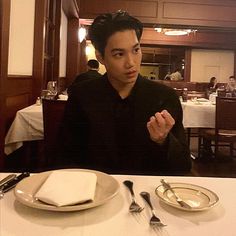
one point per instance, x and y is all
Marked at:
(107, 24)
(94, 64)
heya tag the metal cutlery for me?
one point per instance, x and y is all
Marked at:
(180, 201)
(134, 206)
(154, 220)
(12, 183)
(6, 179)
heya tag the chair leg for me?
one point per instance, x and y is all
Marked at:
(199, 146)
(231, 150)
(216, 152)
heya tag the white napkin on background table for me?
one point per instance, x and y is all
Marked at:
(63, 188)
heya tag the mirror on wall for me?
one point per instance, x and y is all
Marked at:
(158, 62)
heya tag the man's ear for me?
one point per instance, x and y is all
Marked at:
(99, 57)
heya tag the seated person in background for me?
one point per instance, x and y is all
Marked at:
(123, 123)
(176, 75)
(212, 86)
(91, 73)
(167, 77)
(231, 86)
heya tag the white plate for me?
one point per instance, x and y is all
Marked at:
(107, 187)
(202, 100)
(197, 197)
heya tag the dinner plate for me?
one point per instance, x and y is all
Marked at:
(107, 187)
(199, 198)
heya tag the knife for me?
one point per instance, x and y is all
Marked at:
(182, 203)
(7, 179)
(12, 183)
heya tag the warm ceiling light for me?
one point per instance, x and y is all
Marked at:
(174, 32)
(82, 34)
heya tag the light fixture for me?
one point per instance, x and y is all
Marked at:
(82, 33)
(174, 32)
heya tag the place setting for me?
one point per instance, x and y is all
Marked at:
(182, 196)
(66, 190)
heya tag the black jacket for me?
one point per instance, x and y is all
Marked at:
(94, 137)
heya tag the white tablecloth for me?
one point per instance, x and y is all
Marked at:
(198, 114)
(28, 123)
(114, 219)
(27, 126)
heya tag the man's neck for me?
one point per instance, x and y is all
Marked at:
(124, 90)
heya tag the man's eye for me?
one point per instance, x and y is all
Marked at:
(136, 50)
(120, 54)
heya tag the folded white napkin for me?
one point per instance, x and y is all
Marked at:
(63, 97)
(63, 188)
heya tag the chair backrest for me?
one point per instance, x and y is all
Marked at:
(225, 113)
(53, 112)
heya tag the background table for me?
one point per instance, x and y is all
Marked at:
(113, 217)
(27, 126)
(28, 123)
(198, 114)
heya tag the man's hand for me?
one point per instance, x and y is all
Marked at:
(159, 126)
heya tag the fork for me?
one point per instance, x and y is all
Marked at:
(154, 220)
(134, 206)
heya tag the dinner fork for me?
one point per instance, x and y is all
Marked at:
(154, 220)
(134, 206)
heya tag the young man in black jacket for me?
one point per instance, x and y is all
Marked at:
(123, 123)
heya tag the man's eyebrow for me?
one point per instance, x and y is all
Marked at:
(121, 49)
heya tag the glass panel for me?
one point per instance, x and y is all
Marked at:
(162, 61)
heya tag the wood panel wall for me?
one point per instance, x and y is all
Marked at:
(4, 38)
(210, 13)
(201, 39)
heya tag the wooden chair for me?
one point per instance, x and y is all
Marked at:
(224, 133)
(53, 111)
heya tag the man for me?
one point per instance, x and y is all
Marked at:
(176, 76)
(231, 86)
(91, 73)
(123, 123)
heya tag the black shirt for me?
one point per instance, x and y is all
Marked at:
(105, 132)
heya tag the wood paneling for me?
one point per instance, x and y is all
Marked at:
(146, 10)
(73, 50)
(18, 95)
(199, 13)
(205, 13)
(200, 39)
(71, 9)
(4, 42)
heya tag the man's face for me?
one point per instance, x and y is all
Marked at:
(232, 81)
(122, 57)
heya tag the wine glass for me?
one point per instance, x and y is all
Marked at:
(52, 88)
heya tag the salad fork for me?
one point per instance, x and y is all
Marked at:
(134, 206)
(154, 221)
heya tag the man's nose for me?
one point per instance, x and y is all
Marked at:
(130, 61)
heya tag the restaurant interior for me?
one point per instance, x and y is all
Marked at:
(202, 46)
(44, 45)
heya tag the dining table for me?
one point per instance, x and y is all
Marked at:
(113, 216)
(27, 126)
(28, 122)
(198, 113)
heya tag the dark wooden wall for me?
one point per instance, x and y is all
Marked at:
(211, 13)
